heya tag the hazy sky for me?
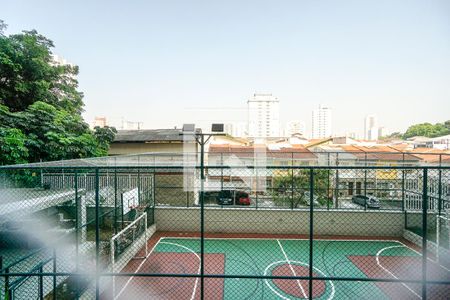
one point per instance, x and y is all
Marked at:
(170, 62)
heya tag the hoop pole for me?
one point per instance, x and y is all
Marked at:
(145, 235)
(438, 225)
(112, 268)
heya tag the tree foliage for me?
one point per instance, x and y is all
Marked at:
(428, 130)
(292, 189)
(40, 105)
(12, 146)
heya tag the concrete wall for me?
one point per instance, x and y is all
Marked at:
(357, 223)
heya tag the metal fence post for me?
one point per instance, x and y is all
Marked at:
(424, 232)
(328, 183)
(115, 200)
(41, 283)
(311, 230)
(403, 190)
(202, 217)
(97, 236)
(365, 174)
(257, 185)
(336, 205)
(292, 188)
(54, 273)
(440, 200)
(121, 211)
(139, 183)
(77, 233)
(221, 171)
(7, 282)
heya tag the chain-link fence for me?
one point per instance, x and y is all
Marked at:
(277, 231)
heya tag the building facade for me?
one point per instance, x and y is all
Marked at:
(263, 116)
(321, 122)
(371, 128)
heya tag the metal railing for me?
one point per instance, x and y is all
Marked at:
(57, 226)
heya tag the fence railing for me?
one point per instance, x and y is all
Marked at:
(285, 232)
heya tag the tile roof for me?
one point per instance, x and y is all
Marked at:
(248, 151)
(148, 135)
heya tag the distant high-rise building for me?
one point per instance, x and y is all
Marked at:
(294, 127)
(371, 128)
(321, 123)
(381, 132)
(263, 116)
(236, 129)
(59, 61)
(100, 122)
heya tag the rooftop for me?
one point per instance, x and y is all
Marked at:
(149, 136)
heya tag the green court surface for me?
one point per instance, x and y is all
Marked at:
(286, 257)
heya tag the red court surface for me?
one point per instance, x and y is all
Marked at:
(138, 287)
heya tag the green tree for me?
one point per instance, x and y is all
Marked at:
(28, 73)
(40, 106)
(293, 189)
(12, 146)
(447, 124)
(105, 135)
(427, 130)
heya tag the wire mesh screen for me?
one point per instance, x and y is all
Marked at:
(280, 231)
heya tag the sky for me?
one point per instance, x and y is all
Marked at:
(165, 63)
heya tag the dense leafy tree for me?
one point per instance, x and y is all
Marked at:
(12, 146)
(293, 189)
(28, 73)
(105, 135)
(447, 124)
(40, 106)
(428, 130)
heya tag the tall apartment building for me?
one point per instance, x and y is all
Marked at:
(263, 116)
(321, 122)
(371, 128)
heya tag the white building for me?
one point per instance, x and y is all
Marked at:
(371, 128)
(60, 61)
(99, 122)
(294, 127)
(263, 116)
(236, 129)
(381, 132)
(321, 122)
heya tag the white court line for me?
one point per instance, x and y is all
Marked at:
(389, 272)
(330, 297)
(142, 263)
(283, 239)
(319, 239)
(137, 270)
(417, 252)
(292, 269)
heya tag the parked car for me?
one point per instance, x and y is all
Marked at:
(226, 197)
(242, 198)
(366, 201)
(229, 197)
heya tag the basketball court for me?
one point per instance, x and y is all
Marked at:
(279, 256)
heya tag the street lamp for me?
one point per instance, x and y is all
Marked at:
(201, 139)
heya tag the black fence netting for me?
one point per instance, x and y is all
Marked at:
(225, 232)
